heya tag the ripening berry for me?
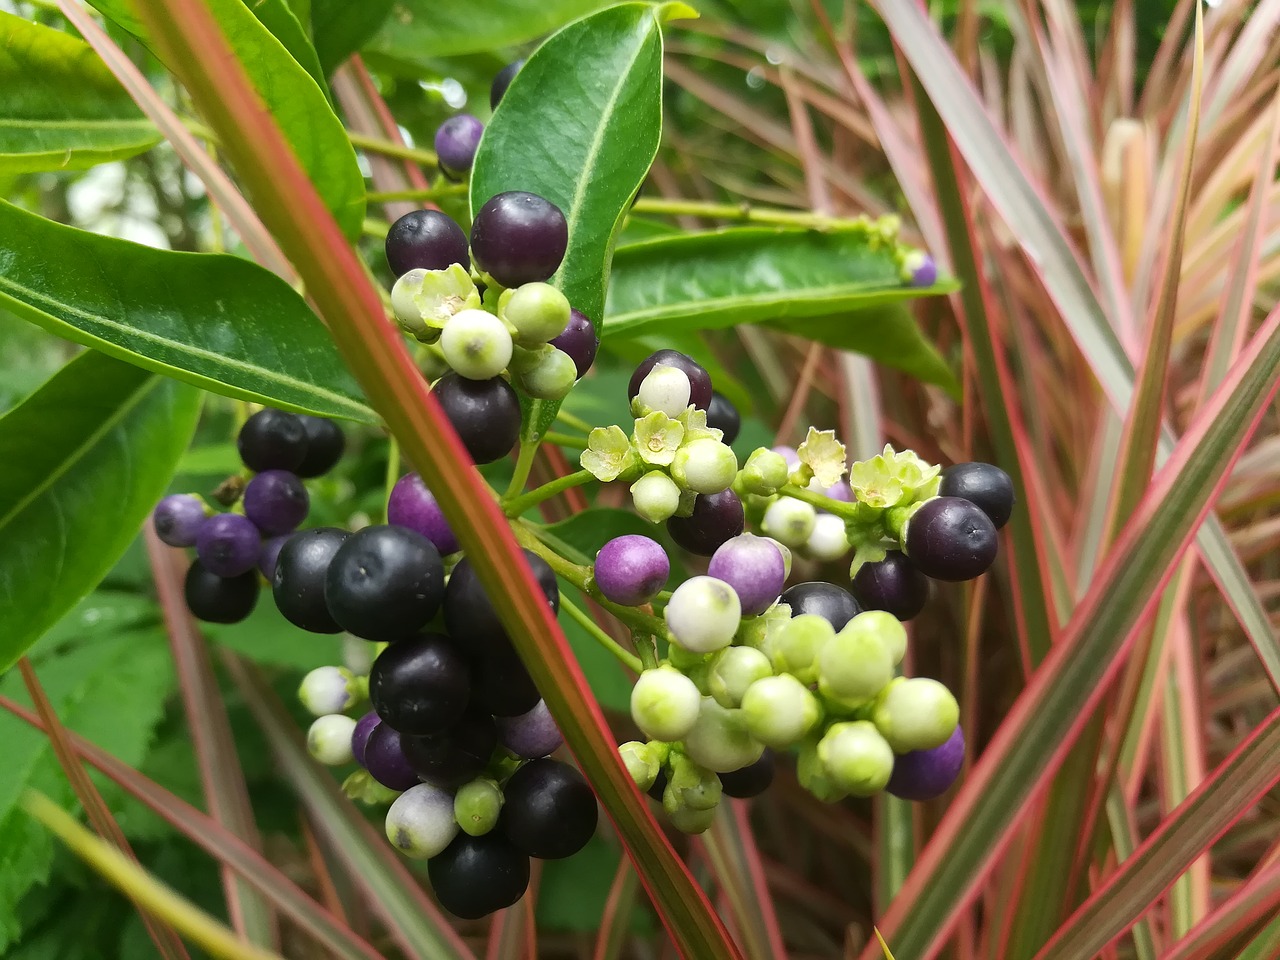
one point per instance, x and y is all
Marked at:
(893, 584)
(476, 344)
(699, 379)
(413, 506)
(789, 521)
(703, 614)
(360, 736)
(276, 501)
(916, 714)
(951, 539)
(579, 341)
(329, 739)
(269, 555)
(177, 519)
(385, 760)
(631, 569)
(228, 544)
(779, 711)
(923, 269)
(664, 704)
(456, 141)
(925, 774)
(754, 567)
(984, 485)
(530, 735)
(420, 822)
(720, 740)
(519, 238)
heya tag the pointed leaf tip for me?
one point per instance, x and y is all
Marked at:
(883, 946)
(675, 10)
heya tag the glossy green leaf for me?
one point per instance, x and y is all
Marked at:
(213, 320)
(60, 107)
(87, 456)
(580, 126)
(278, 17)
(295, 100)
(419, 30)
(842, 288)
(340, 27)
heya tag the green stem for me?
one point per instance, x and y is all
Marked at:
(647, 649)
(631, 661)
(524, 463)
(417, 193)
(514, 506)
(849, 511)
(569, 420)
(426, 158)
(393, 471)
(743, 212)
(564, 440)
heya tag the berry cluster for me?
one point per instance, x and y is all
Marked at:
(232, 548)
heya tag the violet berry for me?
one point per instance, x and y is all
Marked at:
(177, 519)
(412, 505)
(580, 341)
(456, 142)
(228, 544)
(754, 567)
(276, 501)
(925, 774)
(631, 569)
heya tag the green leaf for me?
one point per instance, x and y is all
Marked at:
(213, 320)
(608, 680)
(295, 100)
(340, 27)
(843, 288)
(421, 29)
(572, 893)
(86, 457)
(279, 18)
(590, 530)
(60, 107)
(580, 126)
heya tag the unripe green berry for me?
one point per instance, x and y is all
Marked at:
(544, 373)
(476, 344)
(665, 704)
(329, 739)
(538, 312)
(887, 627)
(779, 711)
(814, 777)
(642, 763)
(690, 821)
(656, 496)
(476, 806)
(705, 466)
(733, 670)
(856, 757)
(916, 714)
(789, 521)
(327, 690)
(764, 472)
(421, 822)
(703, 614)
(719, 739)
(856, 664)
(793, 645)
(689, 786)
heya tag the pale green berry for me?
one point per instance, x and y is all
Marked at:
(642, 762)
(705, 466)
(764, 472)
(538, 312)
(476, 344)
(856, 664)
(916, 714)
(689, 785)
(888, 627)
(856, 757)
(779, 711)
(357, 655)
(793, 645)
(327, 690)
(656, 496)
(665, 389)
(665, 704)
(789, 521)
(827, 542)
(362, 788)
(329, 739)
(421, 822)
(814, 777)
(720, 740)
(703, 614)
(476, 806)
(404, 305)
(733, 670)
(545, 373)
(692, 822)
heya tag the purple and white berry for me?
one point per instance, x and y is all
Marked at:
(329, 739)
(530, 735)
(827, 542)
(228, 544)
(579, 341)
(656, 496)
(925, 774)
(779, 711)
(327, 690)
(704, 466)
(276, 501)
(412, 505)
(538, 311)
(177, 519)
(360, 735)
(923, 270)
(856, 757)
(476, 344)
(664, 388)
(665, 704)
(733, 670)
(754, 567)
(703, 614)
(916, 714)
(631, 569)
(420, 822)
(456, 142)
(790, 521)
(699, 379)
(719, 740)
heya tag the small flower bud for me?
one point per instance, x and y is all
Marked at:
(327, 690)
(703, 614)
(856, 757)
(916, 714)
(790, 521)
(545, 373)
(778, 711)
(656, 496)
(329, 739)
(857, 663)
(664, 704)
(690, 821)
(719, 739)
(814, 777)
(421, 822)
(704, 466)
(642, 763)
(794, 645)
(733, 670)
(538, 312)
(689, 786)
(665, 389)
(764, 472)
(476, 806)
(424, 300)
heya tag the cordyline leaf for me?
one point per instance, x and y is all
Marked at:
(376, 353)
(1052, 711)
(740, 875)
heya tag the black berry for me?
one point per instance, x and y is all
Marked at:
(272, 440)
(501, 683)
(892, 584)
(425, 239)
(951, 539)
(474, 876)
(550, 811)
(385, 760)
(469, 614)
(385, 583)
(420, 685)
(831, 603)
(518, 238)
(485, 414)
(325, 445)
(457, 755)
(699, 380)
(716, 518)
(298, 580)
(217, 599)
(502, 79)
(751, 780)
(982, 484)
(724, 416)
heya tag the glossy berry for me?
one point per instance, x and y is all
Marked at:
(177, 519)
(925, 774)
(420, 822)
(892, 584)
(361, 734)
(426, 240)
(723, 415)
(475, 876)
(471, 617)
(329, 739)
(420, 685)
(501, 683)
(826, 600)
(476, 344)
(703, 614)
(550, 812)
(272, 440)
(518, 238)
(699, 379)
(325, 445)
(413, 506)
(485, 414)
(459, 754)
(665, 703)
(754, 567)
(579, 341)
(228, 544)
(327, 690)
(982, 484)
(385, 583)
(951, 539)
(456, 142)
(298, 580)
(385, 760)
(216, 599)
(716, 517)
(276, 501)
(501, 80)
(538, 311)
(631, 569)
(269, 555)
(530, 735)
(751, 780)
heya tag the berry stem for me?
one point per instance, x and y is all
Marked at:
(430, 193)
(744, 212)
(631, 661)
(514, 506)
(847, 511)
(647, 649)
(524, 463)
(426, 158)
(569, 420)
(564, 440)
(393, 472)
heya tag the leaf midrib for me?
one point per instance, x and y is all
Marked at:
(661, 310)
(68, 124)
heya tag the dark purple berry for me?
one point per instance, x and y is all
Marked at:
(456, 142)
(699, 380)
(471, 617)
(360, 735)
(298, 580)
(412, 505)
(384, 583)
(549, 810)
(420, 685)
(501, 80)
(216, 599)
(177, 519)
(518, 238)
(716, 518)
(485, 414)
(501, 683)
(476, 876)
(751, 780)
(951, 539)
(272, 440)
(580, 341)
(925, 774)
(723, 415)
(276, 501)
(228, 544)
(530, 735)
(892, 584)
(385, 760)
(325, 445)
(833, 604)
(982, 484)
(631, 569)
(455, 756)
(269, 556)
(427, 240)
